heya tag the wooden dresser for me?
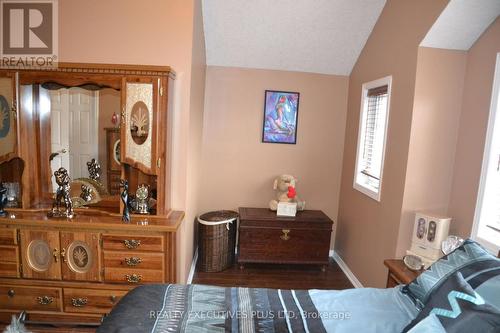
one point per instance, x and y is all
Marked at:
(266, 238)
(77, 270)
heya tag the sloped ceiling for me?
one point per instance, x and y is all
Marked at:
(461, 23)
(319, 36)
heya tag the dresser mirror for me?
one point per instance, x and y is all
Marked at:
(8, 116)
(77, 120)
(101, 123)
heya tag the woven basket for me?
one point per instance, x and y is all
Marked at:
(216, 240)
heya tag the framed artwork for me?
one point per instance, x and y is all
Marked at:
(281, 110)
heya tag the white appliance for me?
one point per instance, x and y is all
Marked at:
(429, 231)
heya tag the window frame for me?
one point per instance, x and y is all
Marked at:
(387, 80)
(492, 119)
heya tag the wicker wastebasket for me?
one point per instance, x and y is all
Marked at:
(216, 240)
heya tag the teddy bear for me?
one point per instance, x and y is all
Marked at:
(284, 186)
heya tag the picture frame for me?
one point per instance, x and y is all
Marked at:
(281, 110)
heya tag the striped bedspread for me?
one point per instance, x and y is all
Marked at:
(197, 308)
(201, 308)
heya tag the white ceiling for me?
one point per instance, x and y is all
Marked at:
(461, 23)
(319, 36)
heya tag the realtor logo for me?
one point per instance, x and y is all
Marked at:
(28, 32)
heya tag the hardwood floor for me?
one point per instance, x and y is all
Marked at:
(277, 277)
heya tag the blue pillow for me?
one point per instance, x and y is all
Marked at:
(471, 259)
(459, 309)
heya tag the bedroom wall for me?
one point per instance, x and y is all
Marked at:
(239, 170)
(433, 139)
(152, 32)
(368, 230)
(198, 73)
(476, 101)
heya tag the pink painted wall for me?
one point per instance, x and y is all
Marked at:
(197, 99)
(433, 139)
(239, 170)
(476, 101)
(367, 229)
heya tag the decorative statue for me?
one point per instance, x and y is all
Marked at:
(62, 196)
(94, 170)
(86, 194)
(3, 200)
(284, 186)
(124, 197)
(142, 196)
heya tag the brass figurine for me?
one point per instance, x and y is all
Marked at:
(142, 196)
(94, 170)
(124, 197)
(62, 197)
(86, 194)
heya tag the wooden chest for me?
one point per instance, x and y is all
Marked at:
(266, 238)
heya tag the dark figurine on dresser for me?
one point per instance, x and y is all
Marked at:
(94, 170)
(124, 197)
(3, 200)
(62, 197)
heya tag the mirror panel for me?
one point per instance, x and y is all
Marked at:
(8, 108)
(78, 121)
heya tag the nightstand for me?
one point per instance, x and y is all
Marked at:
(399, 273)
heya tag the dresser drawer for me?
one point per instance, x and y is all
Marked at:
(8, 237)
(9, 261)
(132, 276)
(91, 301)
(30, 298)
(129, 259)
(283, 245)
(132, 242)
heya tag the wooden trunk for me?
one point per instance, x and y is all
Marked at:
(266, 238)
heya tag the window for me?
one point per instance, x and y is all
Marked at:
(486, 229)
(375, 101)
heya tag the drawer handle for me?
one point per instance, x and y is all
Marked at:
(133, 261)
(11, 293)
(112, 298)
(132, 243)
(45, 300)
(55, 254)
(79, 302)
(285, 236)
(134, 278)
(63, 255)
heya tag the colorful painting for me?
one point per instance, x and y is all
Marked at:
(281, 109)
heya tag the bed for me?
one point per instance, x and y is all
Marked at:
(201, 308)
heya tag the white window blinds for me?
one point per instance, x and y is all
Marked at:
(372, 136)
